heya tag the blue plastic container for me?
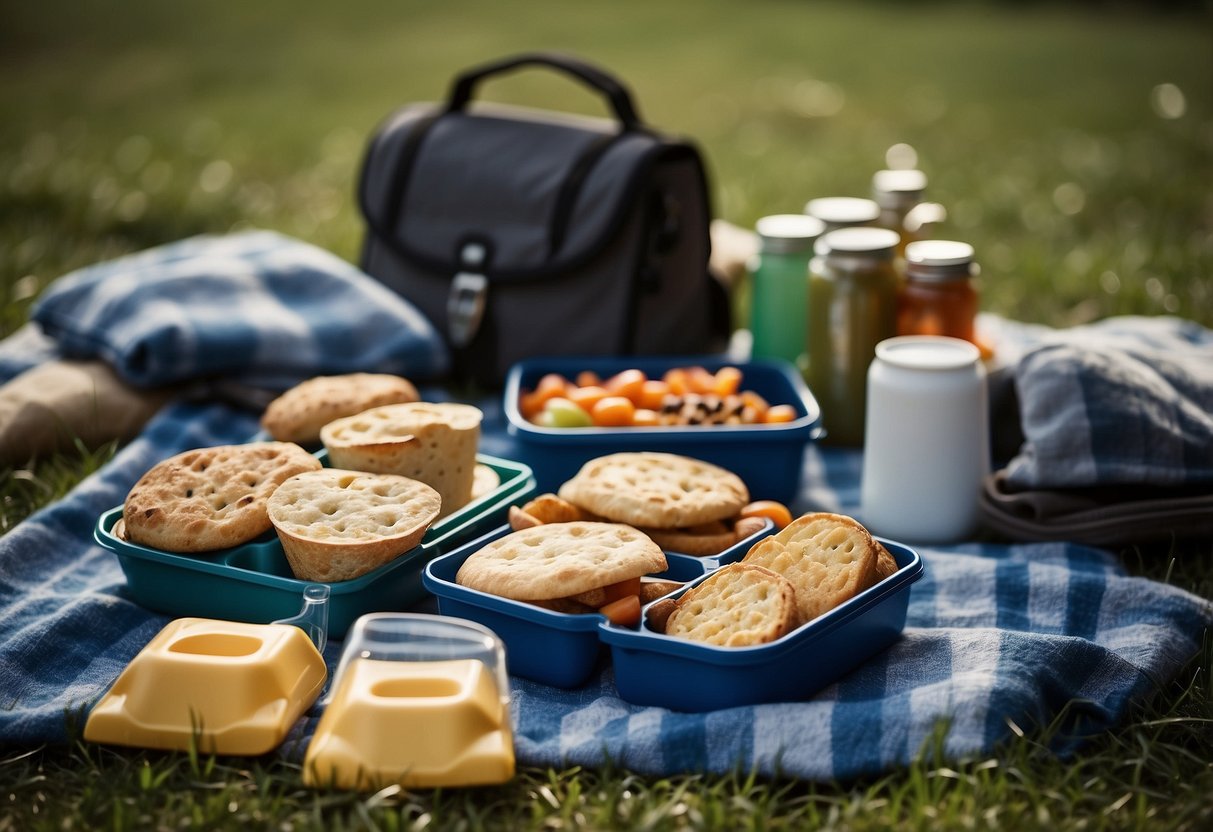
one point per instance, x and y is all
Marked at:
(652, 668)
(655, 669)
(253, 582)
(769, 458)
(550, 647)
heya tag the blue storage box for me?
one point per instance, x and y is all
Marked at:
(651, 668)
(253, 582)
(769, 458)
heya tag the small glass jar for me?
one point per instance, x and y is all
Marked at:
(853, 307)
(897, 192)
(938, 296)
(842, 211)
(779, 275)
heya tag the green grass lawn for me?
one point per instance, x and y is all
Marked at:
(1072, 146)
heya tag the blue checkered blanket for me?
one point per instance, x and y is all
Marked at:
(997, 636)
(255, 308)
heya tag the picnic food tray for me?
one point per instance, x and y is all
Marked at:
(253, 582)
(768, 457)
(651, 668)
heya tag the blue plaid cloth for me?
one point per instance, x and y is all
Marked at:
(996, 635)
(256, 308)
(1124, 401)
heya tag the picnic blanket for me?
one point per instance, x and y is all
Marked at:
(995, 635)
(257, 308)
(1112, 434)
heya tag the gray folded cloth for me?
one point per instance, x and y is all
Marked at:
(1116, 433)
(1111, 516)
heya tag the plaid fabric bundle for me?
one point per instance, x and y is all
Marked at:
(995, 635)
(256, 308)
(1126, 401)
(1112, 438)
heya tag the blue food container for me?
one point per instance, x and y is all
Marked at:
(651, 668)
(655, 669)
(769, 458)
(253, 582)
(554, 648)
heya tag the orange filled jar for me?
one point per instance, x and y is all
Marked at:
(938, 296)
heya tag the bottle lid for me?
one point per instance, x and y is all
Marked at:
(842, 211)
(862, 240)
(898, 188)
(788, 233)
(939, 260)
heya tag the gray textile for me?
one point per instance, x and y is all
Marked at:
(1126, 401)
(1108, 429)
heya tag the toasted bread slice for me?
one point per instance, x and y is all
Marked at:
(738, 606)
(829, 558)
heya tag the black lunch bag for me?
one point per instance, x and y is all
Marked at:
(523, 233)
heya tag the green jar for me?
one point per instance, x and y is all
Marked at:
(853, 307)
(779, 275)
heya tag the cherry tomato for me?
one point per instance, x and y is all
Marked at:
(613, 412)
(780, 413)
(588, 396)
(651, 394)
(628, 383)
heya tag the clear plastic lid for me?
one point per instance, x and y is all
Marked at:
(418, 637)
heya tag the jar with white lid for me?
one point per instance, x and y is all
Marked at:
(842, 211)
(927, 445)
(897, 192)
(852, 307)
(938, 296)
(779, 275)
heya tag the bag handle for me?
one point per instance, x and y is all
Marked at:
(614, 91)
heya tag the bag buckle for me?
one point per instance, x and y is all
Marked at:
(465, 305)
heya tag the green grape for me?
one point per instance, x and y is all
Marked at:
(559, 412)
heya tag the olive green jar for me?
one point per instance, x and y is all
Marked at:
(852, 307)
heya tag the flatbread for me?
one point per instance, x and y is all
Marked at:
(432, 442)
(559, 560)
(484, 480)
(655, 489)
(210, 498)
(299, 413)
(336, 525)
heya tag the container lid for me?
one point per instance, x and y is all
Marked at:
(842, 211)
(897, 188)
(419, 637)
(927, 352)
(864, 241)
(939, 260)
(788, 233)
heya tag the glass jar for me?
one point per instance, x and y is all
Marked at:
(897, 192)
(779, 276)
(938, 296)
(853, 307)
(842, 211)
